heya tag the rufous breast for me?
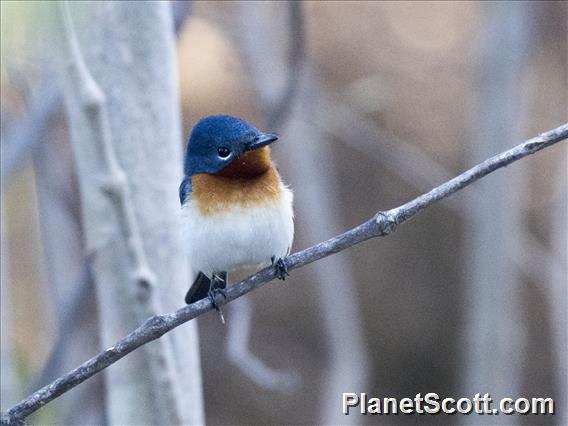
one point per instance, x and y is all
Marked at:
(249, 181)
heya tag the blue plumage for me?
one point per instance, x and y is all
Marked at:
(210, 135)
(214, 143)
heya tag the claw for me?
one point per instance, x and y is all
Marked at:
(212, 298)
(280, 267)
(212, 293)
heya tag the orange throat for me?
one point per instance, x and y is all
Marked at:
(250, 180)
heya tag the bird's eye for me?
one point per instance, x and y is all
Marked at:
(223, 151)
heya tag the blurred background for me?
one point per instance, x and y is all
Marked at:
(375, 103)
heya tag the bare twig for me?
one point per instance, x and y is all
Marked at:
(280, 111)
(181, 9)
(382, 224)
(23, 137)
(400, 157)
(238, 352)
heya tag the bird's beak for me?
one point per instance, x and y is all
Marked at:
(262, 140)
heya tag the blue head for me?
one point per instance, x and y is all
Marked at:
(217, 140)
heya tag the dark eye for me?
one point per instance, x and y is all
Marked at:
(223, 152)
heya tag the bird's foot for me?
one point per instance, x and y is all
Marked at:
(280, 267)
(212, 295)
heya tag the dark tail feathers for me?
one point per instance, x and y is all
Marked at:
(201, 286)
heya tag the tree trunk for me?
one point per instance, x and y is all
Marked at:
(493, 350)
(125, 122)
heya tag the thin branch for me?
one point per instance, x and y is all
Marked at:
(400, 158)
(23, 136)
(382, 224)
(280, 112)
(181, 10)
(239, 354)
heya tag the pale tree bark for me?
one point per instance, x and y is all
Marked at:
(558, 296)
(9, 391)
(122, 99)
(494, 333)
(347, 365)
(65, 265)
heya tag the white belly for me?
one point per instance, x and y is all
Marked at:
(238, 237)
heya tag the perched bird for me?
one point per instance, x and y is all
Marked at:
(237, 212)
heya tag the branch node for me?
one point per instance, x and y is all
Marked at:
(145, 282)
(154, 325)
(115, 184)
(92, 97)
(534, 145)
(386, 223)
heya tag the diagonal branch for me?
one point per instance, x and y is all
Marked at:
(382, 224)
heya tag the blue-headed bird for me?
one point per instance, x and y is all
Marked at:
(237, 213)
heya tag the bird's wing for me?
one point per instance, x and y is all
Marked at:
(185, 190)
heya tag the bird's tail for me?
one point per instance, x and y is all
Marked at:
(201, 286)
(198, 289)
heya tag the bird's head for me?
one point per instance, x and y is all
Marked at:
(218, 140)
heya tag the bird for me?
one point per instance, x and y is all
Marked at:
(237, 212)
